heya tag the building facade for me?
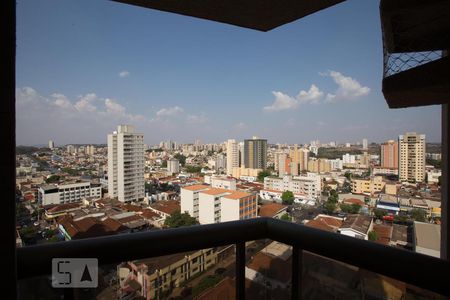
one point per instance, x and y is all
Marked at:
(373, 185)
(411, 157)
(173, 166)
(308, 186)
(68, 192)
(232, 156)
(389, 155)
(255, 153)
(126, 164)
(214, 205)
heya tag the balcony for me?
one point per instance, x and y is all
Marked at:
(427, 272)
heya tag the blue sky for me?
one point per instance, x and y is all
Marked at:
(83, 67)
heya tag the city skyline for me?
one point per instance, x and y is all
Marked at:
(198, 79)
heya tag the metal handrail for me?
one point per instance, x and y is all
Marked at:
(413, 268)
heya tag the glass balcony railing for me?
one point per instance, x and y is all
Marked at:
(273, 260)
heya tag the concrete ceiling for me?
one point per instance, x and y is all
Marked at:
(262, 15)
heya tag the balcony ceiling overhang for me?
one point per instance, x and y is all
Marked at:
(415, 25)
(262, 15)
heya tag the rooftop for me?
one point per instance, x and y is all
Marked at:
(428, 235)
(271, 209)
(360, 223)
(195, 187)
(215, 191)
(237, 195)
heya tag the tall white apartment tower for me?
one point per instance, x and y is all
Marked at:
(232, 156)
(411, 148)
(126, 164)
(365, 144)
(51, 144)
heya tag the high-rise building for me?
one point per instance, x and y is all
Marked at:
(71, 149)
(173, 166)
(411, 157)
(51, 144)
(89, 150)
(284, 165)
(215, 205)
(299, 159)
(365, 144)
(232, 156)
(389, 155)
(255, 153)
(126, 164)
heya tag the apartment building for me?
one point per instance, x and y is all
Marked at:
(223, 182)
(319, 165)
(232, 156)
(151, 278)
(173, 166)
(374, 184)
(255, 153)
(412, 157)
(68, 192)
(189, 199)
(389, 155)
(126, 164)
(308, 186)
(214, 205)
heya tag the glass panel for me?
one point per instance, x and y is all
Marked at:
(324, 278)
(268, 270)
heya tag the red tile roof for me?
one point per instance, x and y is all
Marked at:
(195, 187)
(271, 209)
(166, 206)
(354, 201)
(278, 269)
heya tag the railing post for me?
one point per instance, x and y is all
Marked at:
(297, 269)
(240, 271)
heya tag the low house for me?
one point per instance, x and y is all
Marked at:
(272, 210)
(357, 226)
(325, 222)
(271, 267)
(88, 227)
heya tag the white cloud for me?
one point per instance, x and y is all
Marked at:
(284, 101)
(61, 101)
(348, 87)
(170, 111)
(84, 104)
(113, 107)
(89, 118)
(124, 73)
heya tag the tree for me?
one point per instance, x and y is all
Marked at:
(355, 208)
(53, 178)
(286, 217)
(418, 214)
(373, 236)
(379, 213)
(348, 175)
(345, 208)
(263, 174)
(288, 197)
(439, 180)
(181, 158)
(193, 169)
(333, 197)
(329, 207)
(178, 219)
(164, 164)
